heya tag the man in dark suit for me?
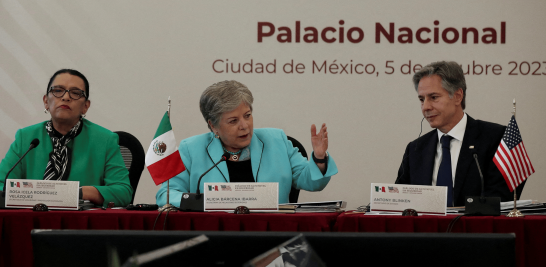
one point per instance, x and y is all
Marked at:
(445, 156)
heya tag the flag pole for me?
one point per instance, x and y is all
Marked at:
(515, 213)
(168, 206)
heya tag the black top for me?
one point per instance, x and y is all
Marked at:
(240, 171)
(59, 135)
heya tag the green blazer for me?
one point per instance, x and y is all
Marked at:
(96, 160)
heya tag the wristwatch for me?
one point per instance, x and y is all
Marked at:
(324, 160)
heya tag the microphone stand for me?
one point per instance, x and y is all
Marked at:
(481, 206)
(168, 207)
(515, 213)
(196, 201)
(33, 144)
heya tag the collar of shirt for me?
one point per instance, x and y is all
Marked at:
(455, 148)
(457, 132)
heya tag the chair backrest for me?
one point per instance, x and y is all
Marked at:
(133, 156)
(295, 193)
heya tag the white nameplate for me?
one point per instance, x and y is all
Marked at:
(228, 196)
(60, 195)
(430, 200)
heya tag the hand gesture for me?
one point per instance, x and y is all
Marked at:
(319, 141)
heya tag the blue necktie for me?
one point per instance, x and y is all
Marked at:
(444, 172)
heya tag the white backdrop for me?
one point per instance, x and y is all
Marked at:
(137, 53)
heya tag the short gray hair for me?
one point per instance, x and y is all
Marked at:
(451, 73)
(223, 97)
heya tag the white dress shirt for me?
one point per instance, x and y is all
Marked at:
(454, 148)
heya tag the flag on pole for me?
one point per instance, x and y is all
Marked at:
(163, 159)
(511, 157)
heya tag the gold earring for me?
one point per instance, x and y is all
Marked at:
(216, 136)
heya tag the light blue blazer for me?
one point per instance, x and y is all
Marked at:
(272, 156)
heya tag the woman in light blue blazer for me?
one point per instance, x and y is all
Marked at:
(256, 155)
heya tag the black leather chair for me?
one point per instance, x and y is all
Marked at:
(295, 193)
(133, 156)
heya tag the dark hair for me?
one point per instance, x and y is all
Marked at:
(71, 72)
(452, 77)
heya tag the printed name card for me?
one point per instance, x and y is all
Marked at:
(24, 193)
(430, 200)
(228, 196)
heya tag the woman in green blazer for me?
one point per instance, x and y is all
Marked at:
(71, 147)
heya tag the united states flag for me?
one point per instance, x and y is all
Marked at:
(511, 157)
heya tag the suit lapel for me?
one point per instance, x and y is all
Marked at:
(256, 150)
(425, 165)
(215, 151)
(465, 156)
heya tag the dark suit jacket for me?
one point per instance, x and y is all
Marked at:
(418, 162)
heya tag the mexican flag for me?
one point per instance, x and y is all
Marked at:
(163, 159)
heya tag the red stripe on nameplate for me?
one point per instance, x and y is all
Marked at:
(389, 210)
(32, 206)
(166, 168)
(24, 206)
(248, 209)
(423, 212)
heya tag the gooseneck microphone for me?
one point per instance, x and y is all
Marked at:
(480, 170)
(33, 144)
(475, 155)
(224, 158)
(481, 206)
(196, 201)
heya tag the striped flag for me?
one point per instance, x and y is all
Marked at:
(163, 159)
(511, 157)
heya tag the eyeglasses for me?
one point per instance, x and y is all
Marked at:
(59, 91)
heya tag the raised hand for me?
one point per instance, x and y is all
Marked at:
(319, 141)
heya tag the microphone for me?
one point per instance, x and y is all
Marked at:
(195, 201)
(33, 144)
(480, 170)
(481, 206)
(224, 158)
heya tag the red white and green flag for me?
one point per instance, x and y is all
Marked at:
(163, 159)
